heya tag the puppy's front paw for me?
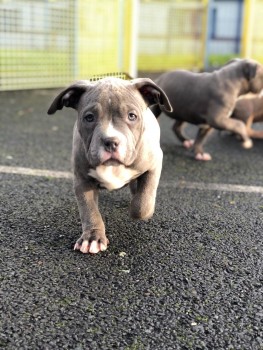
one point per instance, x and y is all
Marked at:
(247, 144)
(203, 156)
(92, 242)
(188, 143)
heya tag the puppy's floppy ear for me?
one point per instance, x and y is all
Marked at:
(69, 97)
(250, 69)
(152, 93)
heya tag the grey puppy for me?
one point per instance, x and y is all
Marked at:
(116, 141)
(208, 100)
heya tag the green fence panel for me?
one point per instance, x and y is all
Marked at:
(172, 34)
(36, 43)
(49, 43)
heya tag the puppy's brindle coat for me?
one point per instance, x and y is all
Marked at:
(208, 100)
(116, 141)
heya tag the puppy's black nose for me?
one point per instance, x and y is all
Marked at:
(111, 144)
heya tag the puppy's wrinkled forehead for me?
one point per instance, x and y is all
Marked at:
(115, 93)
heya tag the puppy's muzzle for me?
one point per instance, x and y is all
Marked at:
(111, 144)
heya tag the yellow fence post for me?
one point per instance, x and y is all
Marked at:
(105, 36)
(247, 32)
(203, 63)
(130, 36)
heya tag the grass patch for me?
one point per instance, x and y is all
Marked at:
(166, 62)
(220, 60)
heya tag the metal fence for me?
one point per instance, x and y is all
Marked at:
(105, 36)
(172, 34)
(49, 43)
(36, 43)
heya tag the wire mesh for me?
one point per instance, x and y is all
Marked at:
(37, 43)
(121, 75)
(171, 34)
(50, 43)
(98, 37)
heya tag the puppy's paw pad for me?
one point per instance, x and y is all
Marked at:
(203, 156)
(96, 247)
(247, 144)
(188, 143)
(92, 247)
(84, 247)
(77, 246)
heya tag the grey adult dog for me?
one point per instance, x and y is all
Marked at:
(116, 141)
(208, 100)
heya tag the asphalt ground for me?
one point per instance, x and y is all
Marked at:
(189, 278)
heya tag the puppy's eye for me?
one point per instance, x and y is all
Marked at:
(132, 117)
(89, 118)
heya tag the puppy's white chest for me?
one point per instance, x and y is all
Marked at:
(113, 177)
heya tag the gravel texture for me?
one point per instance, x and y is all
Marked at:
(189, 278)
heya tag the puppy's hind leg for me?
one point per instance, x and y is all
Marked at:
(178, 130)
(255, 134)
(237, 127)
(200, 140)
